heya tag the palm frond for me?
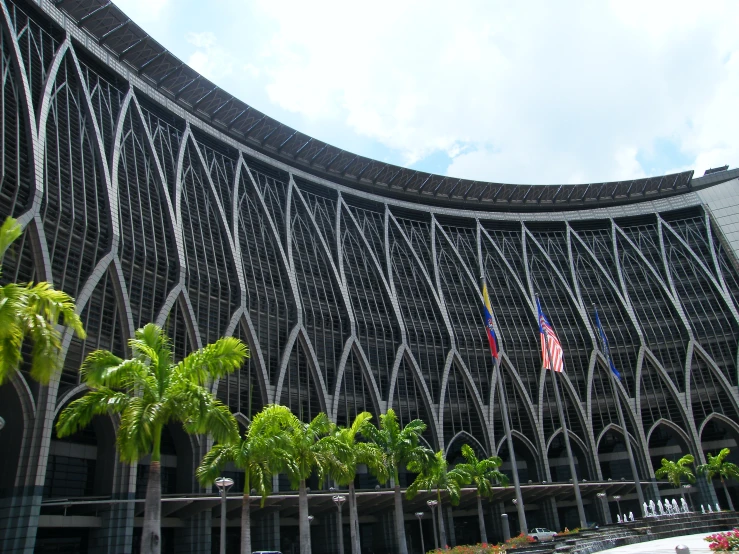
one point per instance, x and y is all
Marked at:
(55, 305)
(213, 461)
(215, 360)
(80, 412)
(9, 232)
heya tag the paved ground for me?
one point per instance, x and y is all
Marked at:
(664, 546)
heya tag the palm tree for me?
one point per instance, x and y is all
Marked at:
(148, 391)
(436, 475)
(349, 457)
(258, 454)
(675, 472)
(725, 470)
(401, 447)
(310, 447)
(484, 474)
(32, 311)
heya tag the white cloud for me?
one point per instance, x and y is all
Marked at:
(516, 92)
(210, 59)
(144, 11)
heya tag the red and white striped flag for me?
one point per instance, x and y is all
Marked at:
(551, 349)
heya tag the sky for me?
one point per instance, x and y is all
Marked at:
(515, 92)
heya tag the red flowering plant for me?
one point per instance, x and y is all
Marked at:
(724, 542)
(482, 548)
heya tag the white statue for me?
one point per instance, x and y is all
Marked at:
(652, 508)
(675, 509)
(618, 518)
(645, 509)
(631, 516)
(684, 505)
(718, 508)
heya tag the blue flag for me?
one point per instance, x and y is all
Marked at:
(604, 342)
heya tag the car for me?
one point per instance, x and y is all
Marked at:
(542, 534)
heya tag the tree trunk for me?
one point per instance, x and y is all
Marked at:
(246, 522)
(481, 517)
(151, 535)
(354, 520)
(442, 529)
(303, 515)
(728, 496)
(399, 522)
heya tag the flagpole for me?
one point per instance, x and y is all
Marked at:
(568, 448)
(506, 422)
(622, 423)
(511, 453)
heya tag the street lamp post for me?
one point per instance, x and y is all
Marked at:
(617, 498)
(432, 504)
(419, 515)
(339, 501)
(223, 484)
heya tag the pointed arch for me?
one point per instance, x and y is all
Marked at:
(612, 453)
(455, 443)
(564, 312)
(584, 464)
(16, 155)
(326, 316)
(410, 400)
(355, 393)
(211, 277)
(180, 329)
(244, 390)
(708, 313)
(709, 390)
(378, 327)
(105, 321)
(76, 195)
(300, 388)
(268, 290)
(664, 331)
(595, 286)
(657, 397)
(665, 444)
(427, 334)
(461, 408)
(528, 458)
(148, 248)
(463, 302)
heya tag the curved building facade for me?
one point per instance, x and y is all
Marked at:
(149, 194)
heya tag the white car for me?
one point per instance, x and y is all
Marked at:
(542, 534)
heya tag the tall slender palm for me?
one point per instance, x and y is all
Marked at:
(484, 474)
(675, 472)
(258, 454)
(437, 475)
(149, 390)
(352, 453)
(717, 466)
(32, 311)
(310, 448)
(401, 446)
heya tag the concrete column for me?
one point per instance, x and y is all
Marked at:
(551, 515)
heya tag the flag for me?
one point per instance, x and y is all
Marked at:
(604, 343)
(492, 337)
(551, 350)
